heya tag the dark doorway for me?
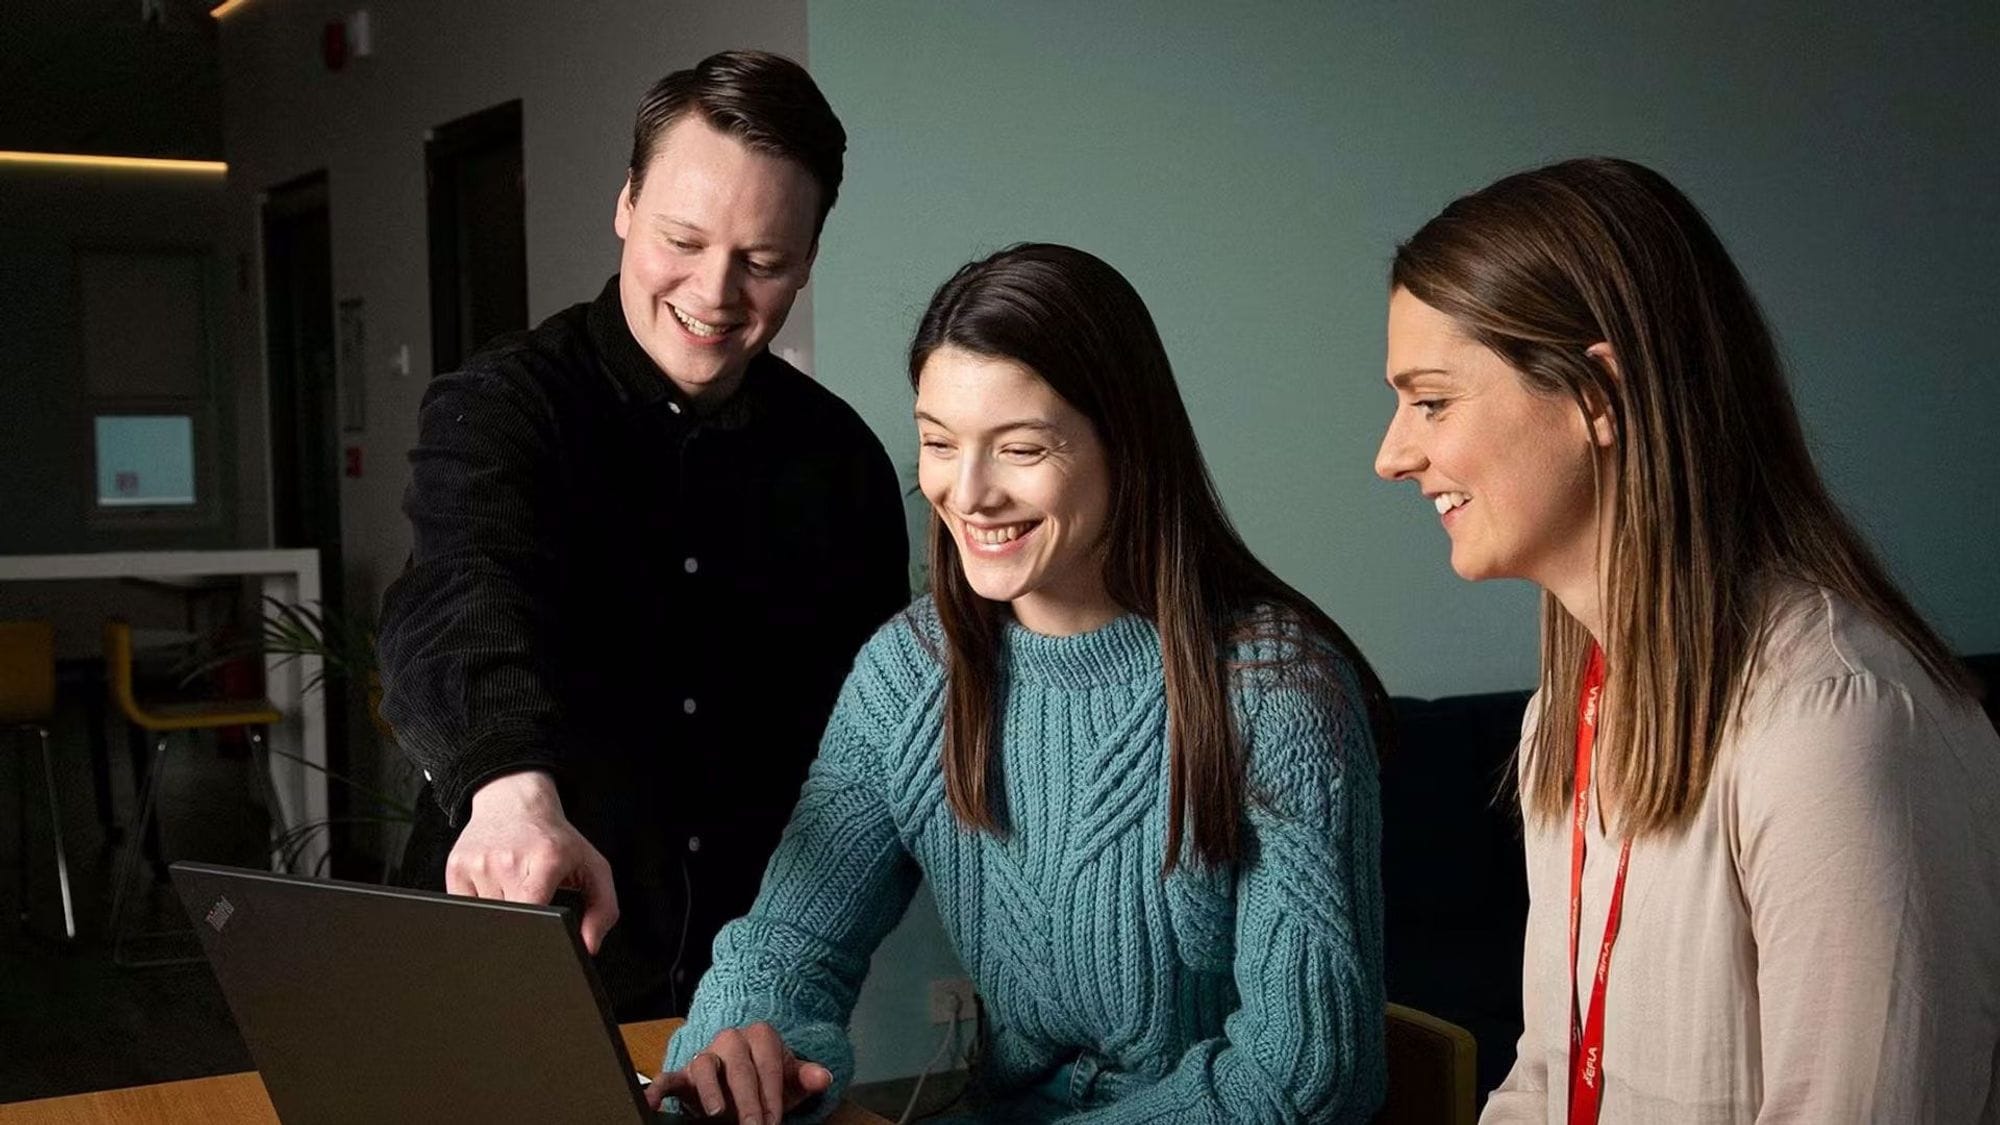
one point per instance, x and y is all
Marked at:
(305, 450)
(478, 233)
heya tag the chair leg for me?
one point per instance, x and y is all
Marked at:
(55, 827)
(21, 828)
(141, 744)
(260, 760)
(130, 861)
(121, 897)
(100, 755)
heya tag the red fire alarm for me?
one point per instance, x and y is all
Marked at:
(353, 460)
(333, 43)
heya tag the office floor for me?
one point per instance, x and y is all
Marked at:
(70, 1019)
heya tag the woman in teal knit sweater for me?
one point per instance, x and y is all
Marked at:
(1138, 769)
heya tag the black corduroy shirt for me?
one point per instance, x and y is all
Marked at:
(655, 604)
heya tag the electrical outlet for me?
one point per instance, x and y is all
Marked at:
(947, 991)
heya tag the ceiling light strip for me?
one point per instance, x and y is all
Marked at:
(136, 163)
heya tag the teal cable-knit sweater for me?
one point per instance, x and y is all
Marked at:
(1112, 995)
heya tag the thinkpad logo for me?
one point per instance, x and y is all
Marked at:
(218, 915)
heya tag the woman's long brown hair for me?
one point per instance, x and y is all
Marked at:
(1715, 491)
(1170, 553)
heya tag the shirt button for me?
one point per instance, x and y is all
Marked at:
(674, 406)
(680, 976)
(694, 843)
(690, 565)
(687, 706)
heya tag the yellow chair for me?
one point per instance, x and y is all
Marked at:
(160, 720)
(1432, 1070)
(28, 703)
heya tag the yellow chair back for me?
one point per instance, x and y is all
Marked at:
(27, 672)
(180, 716)
(1432, 1070)
(118, 669)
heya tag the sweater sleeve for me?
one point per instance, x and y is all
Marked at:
(1852, 840)
(1306, 1044)
(838, 882)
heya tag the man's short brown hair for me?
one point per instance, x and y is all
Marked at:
(766, 101)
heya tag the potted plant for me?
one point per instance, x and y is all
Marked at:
(346, 649)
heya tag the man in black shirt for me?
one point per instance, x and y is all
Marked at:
(646, 551)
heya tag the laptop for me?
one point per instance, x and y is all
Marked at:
(374, 1004)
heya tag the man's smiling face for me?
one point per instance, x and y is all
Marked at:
(719, 239)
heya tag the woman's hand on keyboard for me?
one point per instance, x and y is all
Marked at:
(745, 1073)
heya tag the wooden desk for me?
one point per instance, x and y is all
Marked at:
(238, 1099)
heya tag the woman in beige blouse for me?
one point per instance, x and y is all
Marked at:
(1791, 797)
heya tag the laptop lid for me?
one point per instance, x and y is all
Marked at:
(362, 1003)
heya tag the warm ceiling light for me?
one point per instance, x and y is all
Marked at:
(226, 7)
(137, 163)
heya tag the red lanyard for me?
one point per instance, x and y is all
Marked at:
(1586, 1036)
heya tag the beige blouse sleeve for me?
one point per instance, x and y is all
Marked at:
(1847, 843)
(1522, 1098)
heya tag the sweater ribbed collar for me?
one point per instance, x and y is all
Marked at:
(1125, 651)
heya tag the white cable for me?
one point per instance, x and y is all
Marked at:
(950, 1041)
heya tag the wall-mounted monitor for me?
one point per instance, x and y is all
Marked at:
(145, 461)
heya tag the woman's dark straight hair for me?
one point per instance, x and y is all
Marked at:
(1170, 553)
(1715, 487)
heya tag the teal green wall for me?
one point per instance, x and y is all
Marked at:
(1250, 167)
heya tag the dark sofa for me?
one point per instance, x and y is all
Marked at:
(1452, 869)
(1453, 877)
